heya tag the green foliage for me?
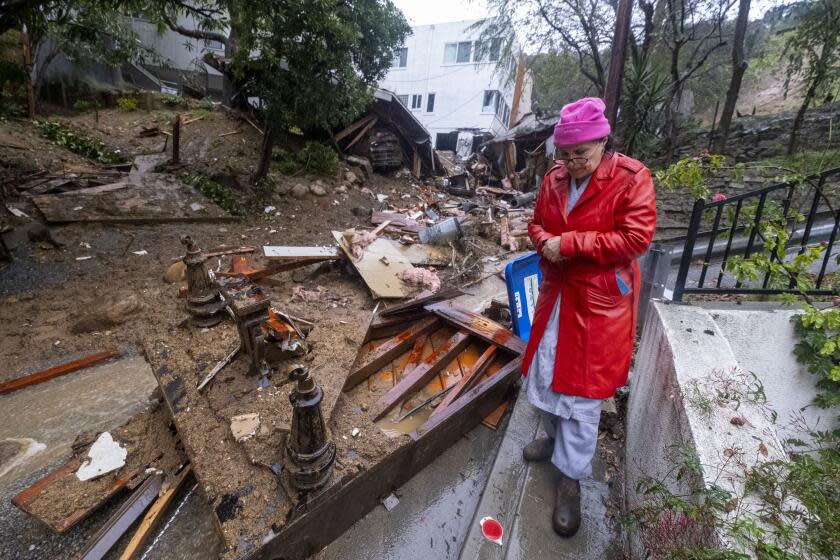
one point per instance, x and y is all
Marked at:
(312, 158)
(215, 191)
(127, 104)
(691, 173)
(645, 89)
(813, 48)
(11, 110)
(206, 104)
(172, 100)
(77, 143)
(83, 105)
(819, 349)
(320, 60)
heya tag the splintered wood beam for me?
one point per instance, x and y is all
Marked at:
(362, 133)
(415, 379)
(154, 515)
(390, 350)
(477, 400)
(355, 126)
(469, 379)
(478, 325)
(57, 371)
(423, 298)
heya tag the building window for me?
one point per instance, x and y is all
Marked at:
(464, 51)
(457, 53)
(490, 103)
(214, 45)
(495, 49)
(416, 101)
(403, 99)
(506, 115)
(400, 58)
(430, 103)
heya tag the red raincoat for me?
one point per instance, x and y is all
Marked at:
(610, 226)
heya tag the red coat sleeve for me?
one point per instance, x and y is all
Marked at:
(536, 231)
(635, 217)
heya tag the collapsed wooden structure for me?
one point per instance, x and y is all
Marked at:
(439, 348)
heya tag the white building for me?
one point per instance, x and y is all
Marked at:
(452, 85)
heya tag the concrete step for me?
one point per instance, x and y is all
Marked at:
(521, 497)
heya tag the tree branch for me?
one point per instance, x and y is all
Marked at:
(194, 33)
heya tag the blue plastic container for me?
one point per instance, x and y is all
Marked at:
(523, 277)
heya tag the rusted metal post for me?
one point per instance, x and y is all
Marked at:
(176, 139)
(203, 301)
(309, 453)
(612, 95)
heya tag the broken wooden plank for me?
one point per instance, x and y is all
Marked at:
(401, 221)
(283, 253)
(221, 251)
(379, 267)
(469, 379)
(361, 134)
(154, 515)
(353, 127)
(390, 351)
(418, 304)
(479, 325)
(27, 497)
(57, 371)
(422, 374)
(153, 197)
(243, 268)
(472, 399)
(122, 520)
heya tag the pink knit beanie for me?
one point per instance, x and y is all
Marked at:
(581, 121)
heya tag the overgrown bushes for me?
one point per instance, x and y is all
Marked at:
(313, 158)
(77, 143)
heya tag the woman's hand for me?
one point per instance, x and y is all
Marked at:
(551, 249)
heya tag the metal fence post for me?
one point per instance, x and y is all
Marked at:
(688, 250)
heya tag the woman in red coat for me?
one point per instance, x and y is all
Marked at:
(595, 215)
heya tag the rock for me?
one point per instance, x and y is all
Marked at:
(283, 189)
(317, 188)
(109, 313)
(177, 272)
(300, 191)
(38, 232)
(352, 178)
(341, 189)
(362, 163)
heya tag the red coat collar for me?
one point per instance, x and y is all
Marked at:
(600, 177)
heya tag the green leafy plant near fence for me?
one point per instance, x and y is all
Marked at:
(172, 100)
(796, 502)
(77, 142)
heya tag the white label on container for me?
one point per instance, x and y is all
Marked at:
(532, 289)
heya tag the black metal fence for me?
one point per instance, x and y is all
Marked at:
(735, 232)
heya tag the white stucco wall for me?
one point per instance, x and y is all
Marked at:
(179, 52)
(458, 87)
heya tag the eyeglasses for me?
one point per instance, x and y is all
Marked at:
(577, 160)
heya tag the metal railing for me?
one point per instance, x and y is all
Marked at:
(742, 214)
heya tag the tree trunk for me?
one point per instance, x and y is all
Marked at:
(269, 137)
(28, 68)
(228, 87)
(800, 118)
(612, 94)
(739, 67)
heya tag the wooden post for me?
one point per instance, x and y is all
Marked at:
(517, 91)
(27, 67)
(612, 95)
(176, 139)
(415, 164)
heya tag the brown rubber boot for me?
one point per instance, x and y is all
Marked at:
(539, 450)
(566, 517)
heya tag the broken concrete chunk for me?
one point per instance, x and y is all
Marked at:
(317, 188)
(104, 456)
(391, 502)
(244, 426)
(112, 311)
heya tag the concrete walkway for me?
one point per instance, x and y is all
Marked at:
(521, 497)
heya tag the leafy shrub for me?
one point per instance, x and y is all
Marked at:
(77, 143)
(172, 100)
(127, 104)
(206, 104)
(215, 191)
(313, 158)
(10, 110)
(82, 105)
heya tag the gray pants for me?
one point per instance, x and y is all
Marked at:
(574, 444)
(571, 420)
